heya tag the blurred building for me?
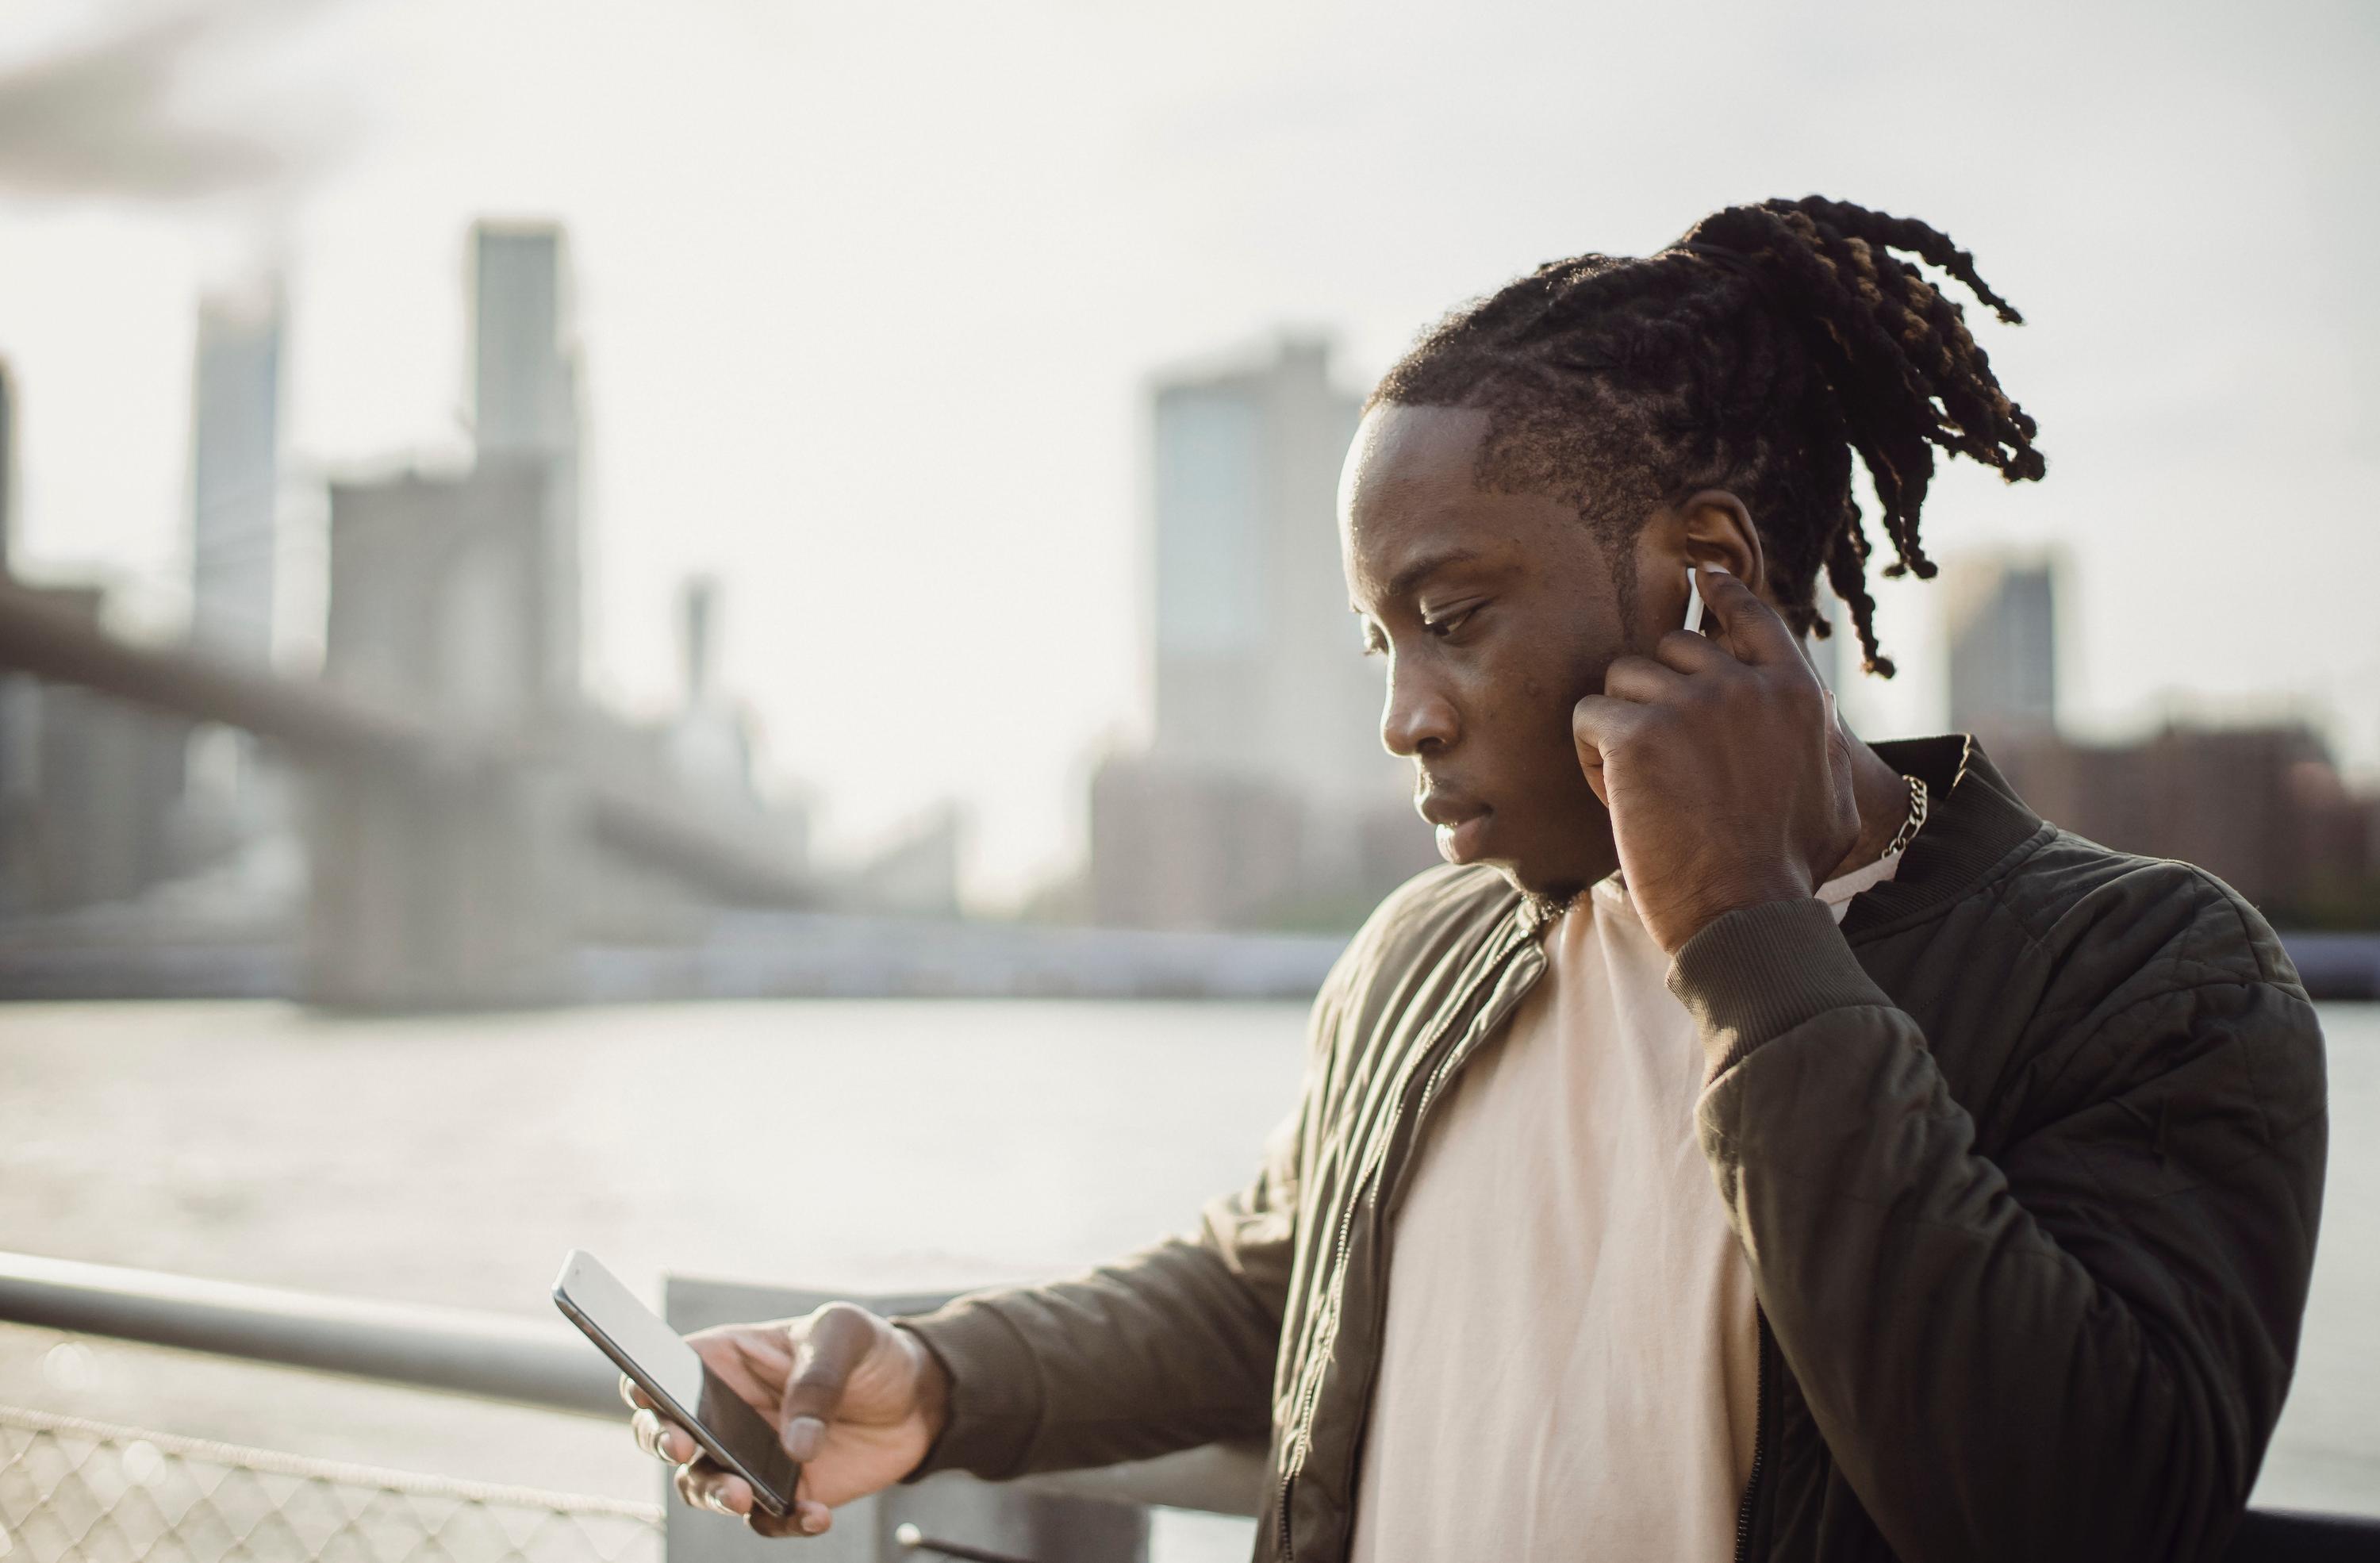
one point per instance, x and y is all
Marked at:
(236, 475)
(2263, 807)
(454, 597)
(233, 800)
(2001, 615)
(87, 790)
(525, 377)
(1265, 795)
(439, 600)
(87, 785)
(1176, 846)
(710, 743)
(458, 595)
(703, 755)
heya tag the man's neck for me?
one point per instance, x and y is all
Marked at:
(1883, 794)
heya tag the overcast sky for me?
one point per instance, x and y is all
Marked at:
(869, 296)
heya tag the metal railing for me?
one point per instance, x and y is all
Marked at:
(87, 1492)
(490, 1357)
(72, 1489)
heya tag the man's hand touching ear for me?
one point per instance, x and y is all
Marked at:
(1728, 779)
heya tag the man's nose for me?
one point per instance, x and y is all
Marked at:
(1417, 715)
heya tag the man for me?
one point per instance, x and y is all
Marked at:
(1756, 1143)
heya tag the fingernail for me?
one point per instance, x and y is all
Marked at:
(1717, 569)
(813, 1524)
(802, 1436)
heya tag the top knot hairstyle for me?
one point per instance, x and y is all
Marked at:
(1757, 354)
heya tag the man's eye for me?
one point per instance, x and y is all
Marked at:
(1451, 623)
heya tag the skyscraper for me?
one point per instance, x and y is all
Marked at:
(1266, 794)
(525, 377)
(1259, 666)
(2002, 620)
(236, 474)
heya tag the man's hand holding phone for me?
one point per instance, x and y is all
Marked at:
(857, 1402)
(1728, 779)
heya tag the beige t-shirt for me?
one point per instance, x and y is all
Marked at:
(1570, 1365)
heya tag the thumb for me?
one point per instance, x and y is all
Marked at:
(1749, 627)
(839, 1338)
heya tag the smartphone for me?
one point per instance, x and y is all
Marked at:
(658, 1362)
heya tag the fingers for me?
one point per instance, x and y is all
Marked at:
(1605, 722)
(838, 1340)
(808, 1519)
(1748, 626)
(701, 1484)
(657, 1436)
(1600, 724)
(663, 1439)
(1691, 653)
(1644, 680)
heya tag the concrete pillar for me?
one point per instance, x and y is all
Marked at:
(434, 893)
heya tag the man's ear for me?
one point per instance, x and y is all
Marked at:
(1713, 526)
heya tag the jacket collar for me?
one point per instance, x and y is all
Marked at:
(1973, 821)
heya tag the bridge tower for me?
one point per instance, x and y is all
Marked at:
(455, 598)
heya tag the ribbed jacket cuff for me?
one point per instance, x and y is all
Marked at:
(995, 1406)
(1760, 971)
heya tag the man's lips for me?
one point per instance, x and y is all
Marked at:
(1460, 824)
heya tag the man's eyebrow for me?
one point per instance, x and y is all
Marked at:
(1404, 581)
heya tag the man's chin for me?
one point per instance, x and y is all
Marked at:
(1555, 893)
(1558, 883)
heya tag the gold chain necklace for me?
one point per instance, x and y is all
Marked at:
(1909, 827)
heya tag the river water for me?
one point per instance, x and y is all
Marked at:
(862, 1146)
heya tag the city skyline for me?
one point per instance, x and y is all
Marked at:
(976, 535)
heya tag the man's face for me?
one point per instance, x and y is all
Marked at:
(1496, 613)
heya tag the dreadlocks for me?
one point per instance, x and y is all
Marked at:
(1757, 354)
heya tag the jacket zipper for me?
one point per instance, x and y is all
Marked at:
(1303, 1430)
(1759, 1437)
(1295, 1452)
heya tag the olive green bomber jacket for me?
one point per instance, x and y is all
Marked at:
(2026, 1156)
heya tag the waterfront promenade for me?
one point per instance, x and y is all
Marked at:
(867, 1146)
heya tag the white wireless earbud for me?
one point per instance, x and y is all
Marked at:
(1696, 612)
